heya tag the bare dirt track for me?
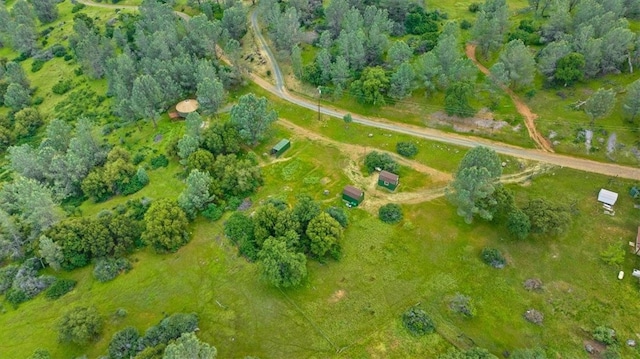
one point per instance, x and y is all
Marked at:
(523, 109)
(279, 90)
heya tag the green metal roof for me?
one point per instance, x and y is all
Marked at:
(280, 145)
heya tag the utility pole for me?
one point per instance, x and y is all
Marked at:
(319, 94)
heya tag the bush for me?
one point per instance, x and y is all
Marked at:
(77, 7)
(6, 277)
(380, 160)
(417, 321)
(213, 212)
(407, 149)
(390, 213)
(80, 325)
(61, 87)
(604, 335)
(37, 64)
(170, 328)
(462, 304)
(124, 344)
(108, 268)
(493, 257)
(475, 7)
(68, 57)
(159, 161)
(465, 24)
(38, 100)
(58, 50)
(16, 296)
(134, 185)
(59, 288)
(339, 215)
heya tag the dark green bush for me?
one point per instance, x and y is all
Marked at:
(466, 24)
(78, 71)
(493, 257)
(407, 149)
(16, 296)
(68, 57)
(475, 7)
(213, 212)
(170, 328)
(339, 215)
(61, 87)
(36, 65)
(380, 160)
(132, 187)
(159, 161)
(124, 344)
(59, 288)
(77, 7)
(417, 321)
(108, 268)
(58, 50)
(390, 213)
(38, 100)
(138, 158)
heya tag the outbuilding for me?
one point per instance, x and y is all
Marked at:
(280, 147)
(388, 180)
(607, 197)
(353, 196)
(186, 107)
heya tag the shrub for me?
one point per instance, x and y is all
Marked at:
(170, 328)
(475, 7)
(38, 100)
(465, 24)
(407, 149)
(138, 158)
(77, 7)
(134, 185)
(213, 212)
(61, 87)
(108, 268)
(417, 321)
(124, 344)
(159, 161)
(390, 213)
(80, 325)
(604, 335)
(15, 297)
(58, 50)
(493, 257)
(59, 288)
(380, 160)
(68, 57)
(6, 277)
(462, 304)
(339, 215)
(121, 313)
(37, 64)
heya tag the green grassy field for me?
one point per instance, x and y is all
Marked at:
(351, 308)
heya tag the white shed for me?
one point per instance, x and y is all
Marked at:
(607, 197)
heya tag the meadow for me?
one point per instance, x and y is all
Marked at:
(351, 308)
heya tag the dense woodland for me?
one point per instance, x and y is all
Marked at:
(377, 52)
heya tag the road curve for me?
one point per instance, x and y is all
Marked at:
(279, 90)
(582, 164)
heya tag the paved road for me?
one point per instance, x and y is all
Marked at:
(436, 135)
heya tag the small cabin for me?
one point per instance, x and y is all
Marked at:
(280, 147)
(353, 196)
(388, 180)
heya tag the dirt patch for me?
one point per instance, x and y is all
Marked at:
(483, 121)
(523, 109)
(337, 296)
